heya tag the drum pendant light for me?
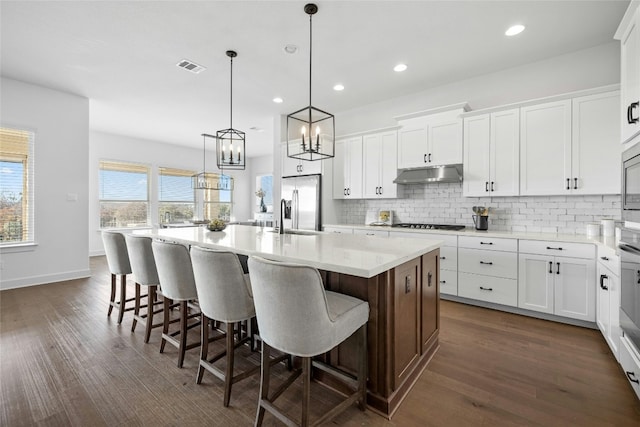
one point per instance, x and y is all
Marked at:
(230, 143)
(310, 131)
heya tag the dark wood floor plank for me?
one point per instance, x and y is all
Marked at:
(64, 362)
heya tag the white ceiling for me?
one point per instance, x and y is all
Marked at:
(122, 54)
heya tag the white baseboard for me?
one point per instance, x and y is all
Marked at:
(96, 253)
(41, 280)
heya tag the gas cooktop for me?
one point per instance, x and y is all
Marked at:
(453, 227)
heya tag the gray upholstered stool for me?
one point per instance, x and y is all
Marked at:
(297, 316)
(177, 283)
(115, 249)
(224, 294)
(143, 266)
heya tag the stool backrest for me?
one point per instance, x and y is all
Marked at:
(143, 263)
(174, 270)
(291, 305)
(115, 248)
(224, 291)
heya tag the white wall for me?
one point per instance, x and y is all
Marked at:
(61, 125)
(105, 146)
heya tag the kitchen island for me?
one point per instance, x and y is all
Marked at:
(397, 276)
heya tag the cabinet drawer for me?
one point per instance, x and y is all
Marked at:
(448, 239)
(490, 289)
(490, 263)
(448, 258)
(630, 365)
(490, 243)
(448, 282)
(339, 230)
(380, 233)
(607, 257)
(541, 247)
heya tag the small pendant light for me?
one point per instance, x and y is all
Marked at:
(230, 143)
(310, 131)
(210, 181)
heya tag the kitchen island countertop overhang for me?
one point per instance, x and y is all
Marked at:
(361, 256)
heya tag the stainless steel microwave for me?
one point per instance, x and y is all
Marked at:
(631, 185)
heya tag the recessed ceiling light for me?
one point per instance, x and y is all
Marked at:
(278, 100)
(338, 87)
(513, 30)
(290, 49)
(400, 67)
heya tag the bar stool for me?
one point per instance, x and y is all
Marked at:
(143, 265)
(224, 295)
(115, 249)
(297, 316)
(176, 281)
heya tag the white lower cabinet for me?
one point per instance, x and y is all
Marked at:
(608, 298)
(339, 230)
(369, 232)
(555, 284)
(630, 362)
(497, 290)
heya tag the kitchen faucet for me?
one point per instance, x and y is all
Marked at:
(283, 206)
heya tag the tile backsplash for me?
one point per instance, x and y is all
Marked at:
(444, 204)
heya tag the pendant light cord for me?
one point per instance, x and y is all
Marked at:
(310, 56)
(231, 98)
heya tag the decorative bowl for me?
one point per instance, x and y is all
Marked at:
(216, 227)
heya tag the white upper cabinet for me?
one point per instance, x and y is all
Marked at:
(571, 146)
(380, 165)
(629, 35)
(491, 154)
(292, 167)
(430, 140)
(595, 149)
(545, 148)
(347, 169)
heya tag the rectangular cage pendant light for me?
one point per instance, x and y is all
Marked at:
(230, 152)
(310, 134)
(208, 180)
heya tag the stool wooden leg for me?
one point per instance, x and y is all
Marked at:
(362, 368)
(123, 297)
(306, 390)
(151, 298)
(228, 377)
(136, 309)
(204, 346)
(166, 303)
(183, 333)
(265, 373)
(112, 299)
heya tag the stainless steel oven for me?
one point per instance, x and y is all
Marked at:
(631, 186)
(629, 250)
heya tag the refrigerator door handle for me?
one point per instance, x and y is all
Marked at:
(294, 209)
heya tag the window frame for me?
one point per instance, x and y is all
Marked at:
(133, 166)
(188, 174)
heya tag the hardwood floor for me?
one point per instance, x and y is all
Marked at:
(63, 362)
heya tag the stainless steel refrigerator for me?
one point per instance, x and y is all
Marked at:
(301, 196)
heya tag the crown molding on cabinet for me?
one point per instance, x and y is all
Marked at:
(368, 132)
(461, 105)
(626, 19)
(560, 97)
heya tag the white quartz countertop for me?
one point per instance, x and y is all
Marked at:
(575, 238)
(362, 256)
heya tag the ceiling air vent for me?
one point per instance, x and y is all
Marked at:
(190, 66)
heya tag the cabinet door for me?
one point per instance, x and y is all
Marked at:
(545, 148)
(535, 282)
(412, 143)
(630, 79)
(430, 297)
(389, 165)
(353, 168)
(504, 179)
(603, 314)
(371, 165)
(339, 178)
(575, 288)
(476, 156)
(444, 142)
(290, 166)
(595, 152)
(614, 315)
(406, 325)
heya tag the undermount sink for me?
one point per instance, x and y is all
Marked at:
(299, 232)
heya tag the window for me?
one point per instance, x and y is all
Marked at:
(176, 198)
(218, 203)
(16, 186)
(124, 195)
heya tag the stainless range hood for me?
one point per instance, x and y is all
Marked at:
(445, 173)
